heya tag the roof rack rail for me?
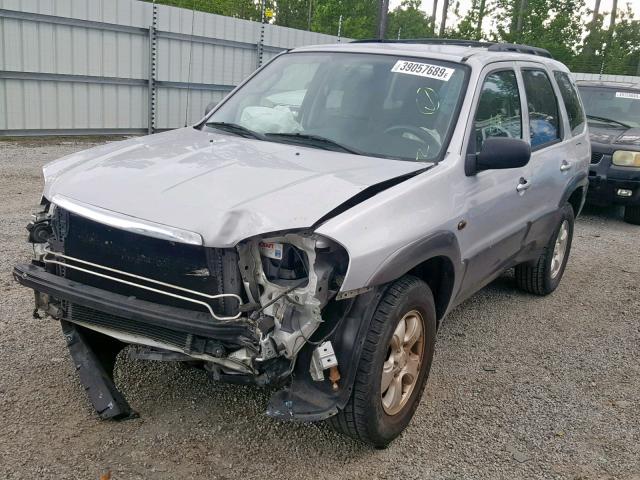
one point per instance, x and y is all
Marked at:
(428, 41)
(514, 47)
(490, 46)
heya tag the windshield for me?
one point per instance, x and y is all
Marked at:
(616, 107)
(377, 105)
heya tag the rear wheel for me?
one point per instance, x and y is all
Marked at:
(394, 365)
(543, 275)
(632, 214)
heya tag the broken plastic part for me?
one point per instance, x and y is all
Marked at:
(322, 359)
(94, 356)
(296, 304)
(267, 349)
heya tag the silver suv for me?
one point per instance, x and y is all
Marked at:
(314, 229)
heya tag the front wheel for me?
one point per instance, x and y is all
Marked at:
(632, 214)
(543, 275)
(394, 365)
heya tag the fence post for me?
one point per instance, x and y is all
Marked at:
(260, 49)
(153, 45)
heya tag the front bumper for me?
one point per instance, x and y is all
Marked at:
(194, 333)
(605, 179)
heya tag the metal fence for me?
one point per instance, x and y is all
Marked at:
(126, 66)
(123, 66)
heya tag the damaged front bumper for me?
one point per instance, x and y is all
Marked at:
(174, 328)
(264, 312)
(97, 324)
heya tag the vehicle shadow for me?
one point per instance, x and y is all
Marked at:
(170, 397)
(592, 212)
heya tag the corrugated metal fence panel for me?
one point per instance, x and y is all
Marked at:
(608, 78)
(109, 62)
(284, 37)
(36, 45)
(225, 64)
(53, 105)
(189, 59)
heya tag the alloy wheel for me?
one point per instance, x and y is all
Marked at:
(560, 249)
(401, 368)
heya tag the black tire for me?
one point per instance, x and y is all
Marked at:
(364, 417)
(536, 277)
(632, 214)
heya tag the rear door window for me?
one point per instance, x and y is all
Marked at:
(544, 117)
(571, 102)
(498, 113)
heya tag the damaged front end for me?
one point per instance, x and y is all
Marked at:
(249, 314)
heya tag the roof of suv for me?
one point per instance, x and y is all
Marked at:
(444, 49)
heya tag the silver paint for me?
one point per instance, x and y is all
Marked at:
(223, 187)
(228, 189)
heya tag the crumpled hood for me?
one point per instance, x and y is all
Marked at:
(223, 187)
(615, 135)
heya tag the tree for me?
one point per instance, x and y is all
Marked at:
(443, 20)
(622, 53)
(470, 25)
(552, 24)
(593, 33)
(383, 18)
(434, 12)
(359, 17)
(614, 50)
(246, 9)
(293, 13)
(409, 20)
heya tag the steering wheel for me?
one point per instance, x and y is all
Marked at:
(424, 136)
(495, 131)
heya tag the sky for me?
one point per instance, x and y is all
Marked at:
(427, 6)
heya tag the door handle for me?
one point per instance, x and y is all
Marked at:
(565, 166)
(523, 185)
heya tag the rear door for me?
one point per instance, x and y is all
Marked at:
(576, 124)
(552, 150)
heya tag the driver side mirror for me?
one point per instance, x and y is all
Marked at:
(209, 107)
(498, 153)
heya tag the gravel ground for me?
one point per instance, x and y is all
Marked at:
(521, 386)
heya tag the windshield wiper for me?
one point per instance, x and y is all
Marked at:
(314, 141)
(608, 120)
(237, 129)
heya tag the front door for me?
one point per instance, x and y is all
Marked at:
(495, 201)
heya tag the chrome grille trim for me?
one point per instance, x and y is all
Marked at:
(55, 261)
(127, 222)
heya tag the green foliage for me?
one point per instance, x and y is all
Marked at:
(468, 26)
(246, 9)
(623, 55)
(293, 13)
(409, 20)
(615, 52)
(358, 17)
(557, 25)
(552, 24)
